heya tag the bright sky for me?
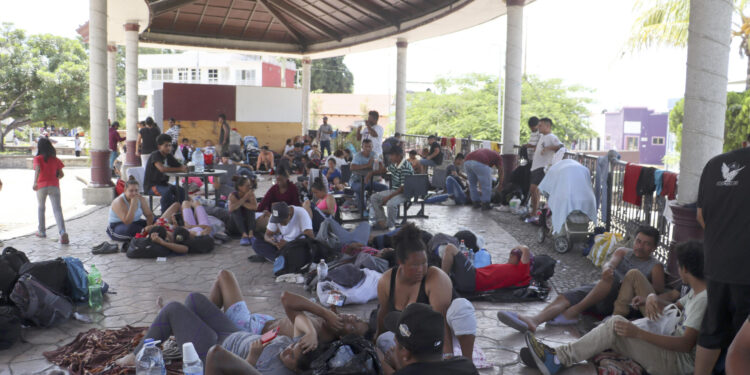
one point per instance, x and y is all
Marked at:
(580, 42)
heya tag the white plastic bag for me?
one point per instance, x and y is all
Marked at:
(604, 245)
(665, 325)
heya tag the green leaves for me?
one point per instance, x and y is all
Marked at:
(331, 76)
(736, 120)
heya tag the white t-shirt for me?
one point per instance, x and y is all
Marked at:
(534, 140)
(694, 308)
(377, 142)
(299, 223)
(288, 148)
(78, 144)
(545, 159)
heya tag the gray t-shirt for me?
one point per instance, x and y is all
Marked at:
(269, 362)
(630, 261)
(324, 129)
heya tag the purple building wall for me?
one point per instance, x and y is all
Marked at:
(638, 129)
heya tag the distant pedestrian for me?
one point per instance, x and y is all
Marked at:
(47, 174)
(147, 140)
(324, 137)
(78, 145)
(114, 141)
(224, 133)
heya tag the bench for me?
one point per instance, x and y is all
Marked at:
(416, 188)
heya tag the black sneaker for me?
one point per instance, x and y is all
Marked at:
(527, 358)
(256, 258)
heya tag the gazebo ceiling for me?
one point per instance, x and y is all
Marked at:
(302, 27)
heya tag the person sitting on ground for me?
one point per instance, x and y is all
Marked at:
(265, 160)
(598, 298)
(434, 157)
(341, 157)
(399, 168)
(242, 207)
(282, 191)
(420, 333)
(333, 174)
(288, 146)
(634, 293)
(242, 168)
(348, 155)
(414, 161)
(155, 179)
(467, 279)
(127, 211)
(287, 223)
(412, 280)
(324, 204)
(657, 354)
(314, 153)
(454, 182)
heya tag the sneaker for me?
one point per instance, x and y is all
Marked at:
(41, 234)
(448, 202)
(486, 206)
(527, 358)
(502, 208)
(245, 241)
(64, 239)
(256, 258)
(545, 357)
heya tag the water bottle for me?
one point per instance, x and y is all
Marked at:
(191, 363)
(95, 289)
(515, 204)
(482, 258)
(462, 248)
(198, 160)
(149, 360)
(343, 355)
(322, 270)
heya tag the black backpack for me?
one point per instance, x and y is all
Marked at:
(299, 253)
(140, 248)
(11, 261)
(10, 326)
(52, 273)
(543, 268)
(364, 362)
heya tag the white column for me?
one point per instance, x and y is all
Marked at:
(709, 36)
(511, 121)
(131, 93)
(305, 94)
(98, 74)
(401, 45)
(112, 82)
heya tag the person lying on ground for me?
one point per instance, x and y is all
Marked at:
(167, 220)
(287, 223)
(127, 211)
(412, 280)
(467, 279)
(282, 191)
(598, 298)
(242, 207)
(658, 354)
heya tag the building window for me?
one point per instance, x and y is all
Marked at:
(166, 74)
(213, 75)
(657, 141)
(156, 74)
(195, 75)
(246, 77)
(182, 74)
(631, 143)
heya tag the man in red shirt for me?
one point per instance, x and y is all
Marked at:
(467, 279)
(478, 167)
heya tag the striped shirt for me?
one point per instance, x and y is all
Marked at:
(399, 173)
(533, 140)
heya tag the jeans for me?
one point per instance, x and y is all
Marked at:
(54, 197)
(374, 186)
(169, 194)
(360, 234)
(125, 232)
(376, 207)
(654, 359)
(243, 171)
(112, 157)
(325, 145)
(481, 173)
(453, 188)
(428, 162)
(265, 249)
(244, 220)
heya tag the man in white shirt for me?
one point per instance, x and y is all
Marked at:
(289, 222)
(543, 156)
(533, 137)
(373, 132)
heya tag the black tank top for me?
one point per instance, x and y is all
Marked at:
(421, 297)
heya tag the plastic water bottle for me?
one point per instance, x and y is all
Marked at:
(198, 160)
(515, 204)
(343, 355)
(191, 363)
(462, 248)
(149, 360)
(95, 289)
(482, 258)
(322, 270)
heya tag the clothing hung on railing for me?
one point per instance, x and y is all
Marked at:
(630, 182)
(600, 185)
(669, 185)
(658, 174)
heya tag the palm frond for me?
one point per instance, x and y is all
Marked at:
(660, 23)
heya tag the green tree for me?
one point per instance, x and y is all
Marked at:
(736, 120)
(467, 105)
(665, 23)
(331, 76)
(42, 78)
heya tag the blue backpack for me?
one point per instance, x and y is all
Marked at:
(78, 282)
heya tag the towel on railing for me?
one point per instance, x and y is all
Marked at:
(645, 184)
(669, 185)
(658, 174)
(630, 181)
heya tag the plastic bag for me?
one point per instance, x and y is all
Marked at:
(604, 245)
(665, 325)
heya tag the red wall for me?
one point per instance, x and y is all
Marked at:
(271, 75)
(290, 78)
(194, 102)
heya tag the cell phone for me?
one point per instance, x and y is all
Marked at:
(269, 336)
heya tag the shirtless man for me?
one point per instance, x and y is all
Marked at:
(265, 159)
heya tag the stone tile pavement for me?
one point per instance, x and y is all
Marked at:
(138, 282)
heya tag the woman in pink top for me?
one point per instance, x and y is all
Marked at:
(325, 204)
(47, 175)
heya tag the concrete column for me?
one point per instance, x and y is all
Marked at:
(99, 190)
(305, 94)
(511, 121)
(401, 45)
(131, 94)
(112, 82)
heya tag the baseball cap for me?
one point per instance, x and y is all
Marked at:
(279, 212)
(418, 328)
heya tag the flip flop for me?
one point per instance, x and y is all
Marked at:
(511, 319)
(560, 320)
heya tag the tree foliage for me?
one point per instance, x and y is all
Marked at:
(42, 78)
(736, 120)
(467, 105)
(331, 76)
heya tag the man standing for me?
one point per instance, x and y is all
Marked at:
(478, 167)
(155, 179)
(224, 133)
(324, 137)
(114, 141)
(373, 132)
(533, 138)
(435, 156)
(174, 132)
(724, 213)
(399, 168)
(544, 154)
(147, 141)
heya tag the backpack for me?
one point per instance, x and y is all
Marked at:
(52, 273)
(38, 303)
(542, 267)
(10, 326)
(77, 277)
(144, 248)
(364, 362)
(11, 261)
(299, 253)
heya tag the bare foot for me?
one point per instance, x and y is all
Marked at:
(126, 361)
(160, 302)
(529, 322)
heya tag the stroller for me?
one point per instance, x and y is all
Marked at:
(571, 205)
(252, 149)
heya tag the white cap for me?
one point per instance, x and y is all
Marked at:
(188, 353)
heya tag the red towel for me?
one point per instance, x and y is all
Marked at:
(669, 185)
(453, 144)
(632, 174)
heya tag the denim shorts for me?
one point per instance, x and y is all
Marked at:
(246, 321)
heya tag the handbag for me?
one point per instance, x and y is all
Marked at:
(667, 323)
